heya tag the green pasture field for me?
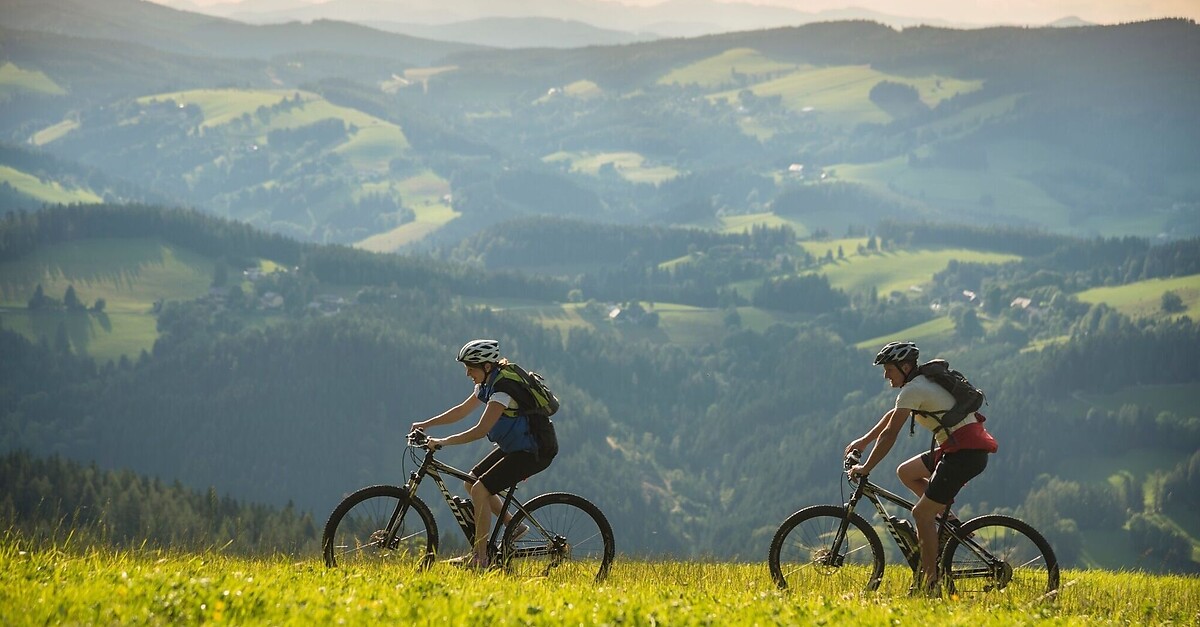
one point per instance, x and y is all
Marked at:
(582, 89)
(103, 336)
(937, 328)
(221, 106)
(897, 271)
(960, 190)
(840, 94)
(631, 166)
(413, 76)
(129, 274)
(1144, 298)
(372, 146)
(14, 80)
(717, 71)
(53, 132)
(49, 585)
(818, 248)
(1005, 187)
(683, 325)
(969, 119)
(45, 191)
(426, 194)
(740, 223)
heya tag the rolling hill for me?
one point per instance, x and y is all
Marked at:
(181, 32)
(1037, 128)
(221, 377)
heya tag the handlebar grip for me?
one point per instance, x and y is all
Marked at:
(852, 458)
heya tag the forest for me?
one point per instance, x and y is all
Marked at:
(309, 407)
(236, 262)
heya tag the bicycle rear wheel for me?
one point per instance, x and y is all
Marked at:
(355, 530)
(802, 554)
(1000, 555)
(566, 535)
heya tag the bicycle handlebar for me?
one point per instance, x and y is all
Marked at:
(852, 459)
(418, 438)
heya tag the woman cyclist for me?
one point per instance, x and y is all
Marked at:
(525, 440)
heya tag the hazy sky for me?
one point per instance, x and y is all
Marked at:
(977, 11)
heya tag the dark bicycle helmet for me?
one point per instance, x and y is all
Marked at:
(479, 352)
(895, 352)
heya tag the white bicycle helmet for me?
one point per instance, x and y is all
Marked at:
(480, 352)
(895, 352)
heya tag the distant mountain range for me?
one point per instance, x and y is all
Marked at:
(183, 32)
(704, 16)
(518, 32)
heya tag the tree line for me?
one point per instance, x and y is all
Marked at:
(308, 408)
(56, 500)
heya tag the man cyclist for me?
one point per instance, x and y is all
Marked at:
(936, 476)
(523, 448)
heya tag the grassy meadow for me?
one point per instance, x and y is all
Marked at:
(129, 274)
(630, 166)
(45, 191)
(717, 72)
(1144, 298)
(14, 80)
(43, 585)
(841, 94)
(370, 147)
(427, 194)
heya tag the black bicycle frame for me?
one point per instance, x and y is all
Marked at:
(433, 468)
(877, 495)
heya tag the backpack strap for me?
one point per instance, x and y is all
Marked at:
(936, 415)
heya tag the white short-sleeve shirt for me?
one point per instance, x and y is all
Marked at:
(923, 394)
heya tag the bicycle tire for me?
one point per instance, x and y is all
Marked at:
(351, 533)
(802, 545)
(1027, 571)
(567, 535)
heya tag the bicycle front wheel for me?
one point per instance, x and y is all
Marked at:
(358, 529)
(1000, 555)
(559, 533)
(803, 555)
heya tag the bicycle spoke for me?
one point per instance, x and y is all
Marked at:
(1005, 555)
(568, 537)
(805, 544)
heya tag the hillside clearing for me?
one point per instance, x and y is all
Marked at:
(840, 95)
(45, 191)
(1144, 298)
(900, 270)
(129, 274)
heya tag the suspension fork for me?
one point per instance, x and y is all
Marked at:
(414, 481)
(835, 557)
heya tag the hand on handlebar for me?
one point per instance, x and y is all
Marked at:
(852, 463)
(417, 437)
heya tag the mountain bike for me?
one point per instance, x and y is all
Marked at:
(557, 532)
(991, 554)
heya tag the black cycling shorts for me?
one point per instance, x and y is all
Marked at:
(499, 470)
(952, 472)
